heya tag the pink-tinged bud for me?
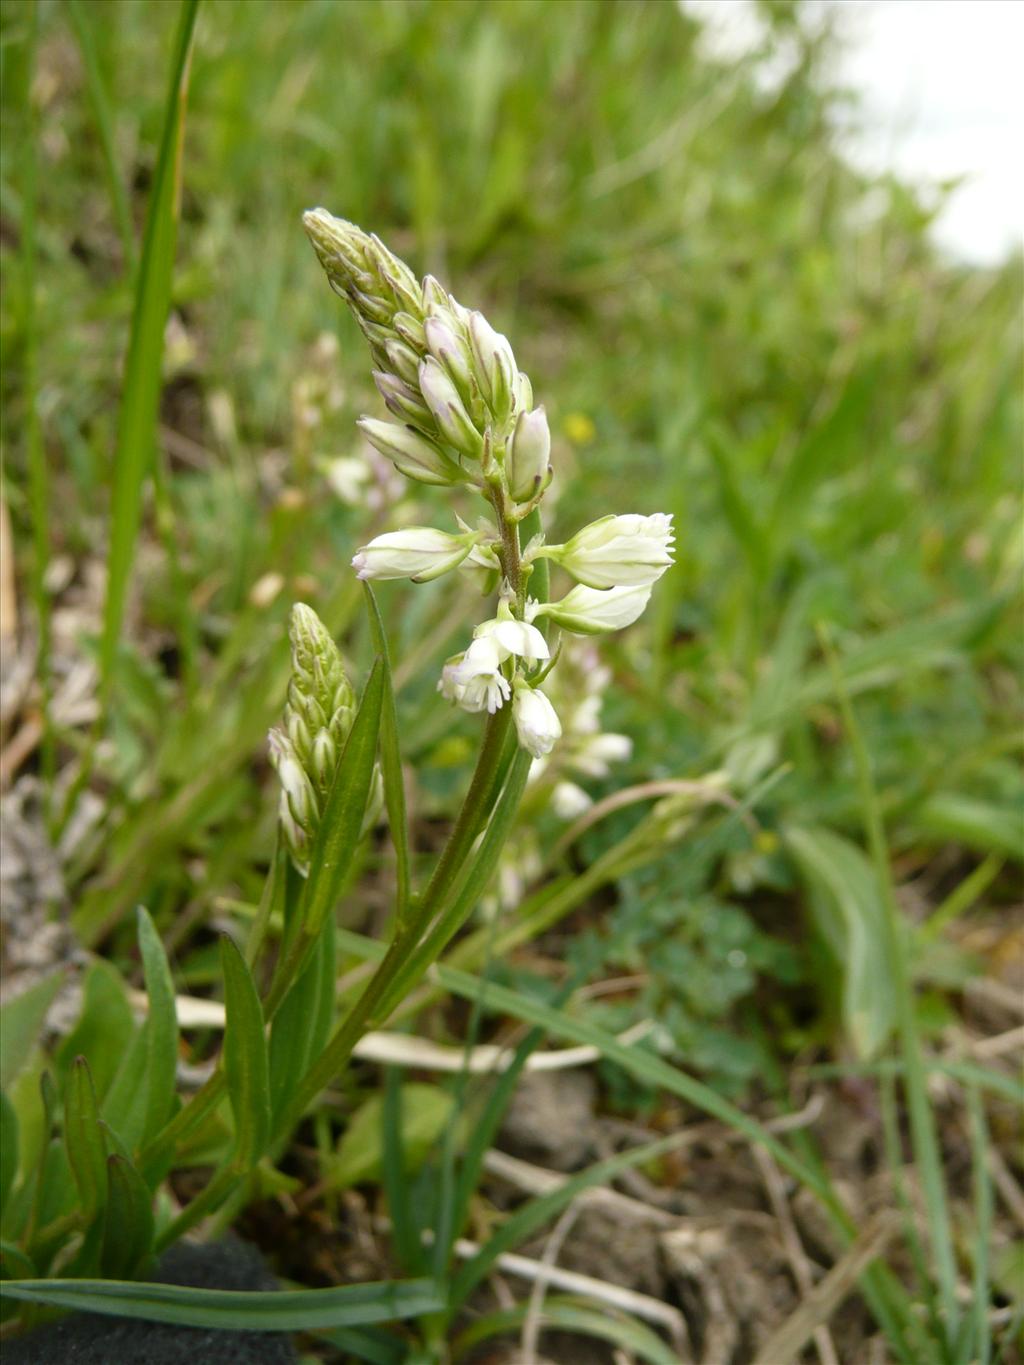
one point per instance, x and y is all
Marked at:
(403, 360)
(450, 351)
(402, 400)
(411, 453)
(529, 452)
(494, 365)
(442, 397)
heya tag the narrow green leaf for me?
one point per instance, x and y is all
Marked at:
(537, 1212)
(337, 836)
(246, 1065)
(637, 1061)
(391, 764)
(20, 1022)
(405, 1231)
(97, 91)
(128, 1230)
(950, 817)
(8, 1149)
(14, 1264)
(847, 903)
(161, 1028)
(286, 1310)
(143, 369)
(87, 1150)
(573, 1315)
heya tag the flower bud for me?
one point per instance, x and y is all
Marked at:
(411, 452)
(589, 611)
(403, 400)
(494, 365)
(403, 360)
(536, 720)
(623, 551)
(529, 451)
(442, 397)
(420, 553)
(450, 351)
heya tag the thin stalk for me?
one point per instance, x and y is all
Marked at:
(922, 1121)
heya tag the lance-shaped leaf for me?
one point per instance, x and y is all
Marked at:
(128, 1230)
(87, 1149)
(8, 1149)
(20, 1021)
(341, 822)
(246, 1067)
(847, 903)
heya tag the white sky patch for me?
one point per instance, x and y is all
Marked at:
(942, 99)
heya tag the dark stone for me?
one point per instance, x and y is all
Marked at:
(96, 1339)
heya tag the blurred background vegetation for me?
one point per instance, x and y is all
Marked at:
(724, 320)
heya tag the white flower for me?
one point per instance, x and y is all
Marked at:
(537, 723)
(597, 751)
(589, 611)
(514, 637)
(568, 800)
(618, 552)
(482, 566)
(494, 364)
(475, 681)
(347, 477)
(419, 552)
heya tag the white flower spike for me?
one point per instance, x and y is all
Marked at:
(537, 723)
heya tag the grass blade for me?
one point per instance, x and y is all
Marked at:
(105, 128)
(275, 1311)
(246, 1065)
(571, 1315)
(391, 764)
(142, 376)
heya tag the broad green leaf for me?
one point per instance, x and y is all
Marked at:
(143, 369)
(246, 1065)
(285, 1310)
(87, 1150)
(302, 1023)
(847, 905)
(8, 1149)
(391, 763)
(104, 1026)
(341, 823)
(426, 1111)
(124, 1106)
(128, 1230)
(20, 1022)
